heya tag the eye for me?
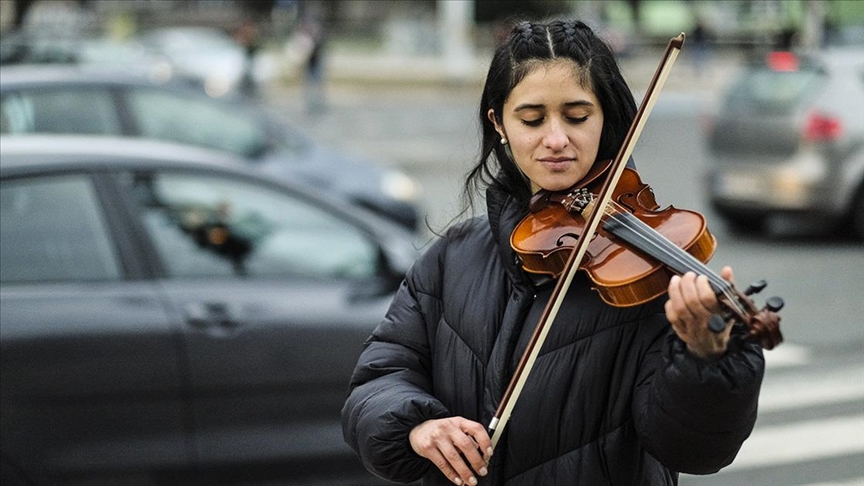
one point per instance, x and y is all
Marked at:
(577, 121)
(533, 123)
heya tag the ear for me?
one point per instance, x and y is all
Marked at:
(498, 128)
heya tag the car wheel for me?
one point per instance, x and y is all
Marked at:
(743, 225)
(857, 215)
(740, 222)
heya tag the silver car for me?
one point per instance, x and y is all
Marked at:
(64, 99)
(787, 147)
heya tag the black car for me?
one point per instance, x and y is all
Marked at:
(165, 312)
(69, 99)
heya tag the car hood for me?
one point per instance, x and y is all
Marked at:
(387, 192)
(327, 169)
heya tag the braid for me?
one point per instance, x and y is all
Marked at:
(525, 31)
(572, 39)
(527, 41)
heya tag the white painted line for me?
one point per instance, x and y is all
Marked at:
(848, 482)
(817, 439)
(787, 354)
(798, 391)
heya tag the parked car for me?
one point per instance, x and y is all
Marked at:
(205, 53)
(41, 47)
(788, 143)
(90, 100)
(168, 313)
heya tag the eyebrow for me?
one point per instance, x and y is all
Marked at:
(569, 104)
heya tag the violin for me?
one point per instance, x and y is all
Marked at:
(631, 256)
(635, 250)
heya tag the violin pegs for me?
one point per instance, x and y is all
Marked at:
(755, 287)
(716, 323)
(774, 304)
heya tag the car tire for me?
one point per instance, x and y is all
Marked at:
(739, 222)
(856, 221)
(743, 225)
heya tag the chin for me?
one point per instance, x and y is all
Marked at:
(557, 185)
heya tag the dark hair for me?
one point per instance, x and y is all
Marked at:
(528, 45)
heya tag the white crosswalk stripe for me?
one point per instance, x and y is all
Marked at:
(810, 418)
(786, 355)
(813, 439)
(811, 388)
(851, 482)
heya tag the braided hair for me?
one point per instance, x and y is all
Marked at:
(528, 46)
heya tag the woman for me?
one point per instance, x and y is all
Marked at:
(617, 395)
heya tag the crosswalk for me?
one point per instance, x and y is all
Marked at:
(810, 430)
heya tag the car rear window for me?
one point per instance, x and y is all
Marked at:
(85, 111)
(775, 90)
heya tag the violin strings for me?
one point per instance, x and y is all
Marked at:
(678, 255)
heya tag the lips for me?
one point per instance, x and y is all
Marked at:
(556, 163)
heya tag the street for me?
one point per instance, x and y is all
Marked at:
(811, 425)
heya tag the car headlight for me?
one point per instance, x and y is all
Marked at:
(161, 72)
(216, 86)
(399, 186)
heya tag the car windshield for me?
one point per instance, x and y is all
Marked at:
(193, 120)
(778, 88)
(191, 40)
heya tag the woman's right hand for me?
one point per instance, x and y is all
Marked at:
(449, 443)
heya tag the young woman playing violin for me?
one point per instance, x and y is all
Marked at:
(617, 395)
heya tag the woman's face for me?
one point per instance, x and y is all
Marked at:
(553, 126)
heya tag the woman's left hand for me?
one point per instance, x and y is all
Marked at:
(691, 304)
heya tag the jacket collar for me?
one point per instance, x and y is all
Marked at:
(504, 213)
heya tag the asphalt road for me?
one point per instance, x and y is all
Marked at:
(811, 424)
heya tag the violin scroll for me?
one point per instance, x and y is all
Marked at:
(765, 329)
(763, 325)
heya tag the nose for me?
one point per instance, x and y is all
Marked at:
(556, 137)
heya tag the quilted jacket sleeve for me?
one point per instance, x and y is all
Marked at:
(390, 387)
(693, 415)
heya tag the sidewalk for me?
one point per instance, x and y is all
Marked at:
(401, 109)
(406, 114)
(371, 69)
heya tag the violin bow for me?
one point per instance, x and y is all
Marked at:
(529, 357)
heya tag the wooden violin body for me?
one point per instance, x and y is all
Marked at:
(622, 275)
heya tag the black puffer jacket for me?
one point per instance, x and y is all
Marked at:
(613, 398)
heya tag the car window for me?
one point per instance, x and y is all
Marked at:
(773, 91)
(196, 120)
(52, 229)
(208, 226)
(78, 111)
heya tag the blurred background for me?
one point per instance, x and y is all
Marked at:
(373, 103)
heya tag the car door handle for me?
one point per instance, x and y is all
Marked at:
(212, 316)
